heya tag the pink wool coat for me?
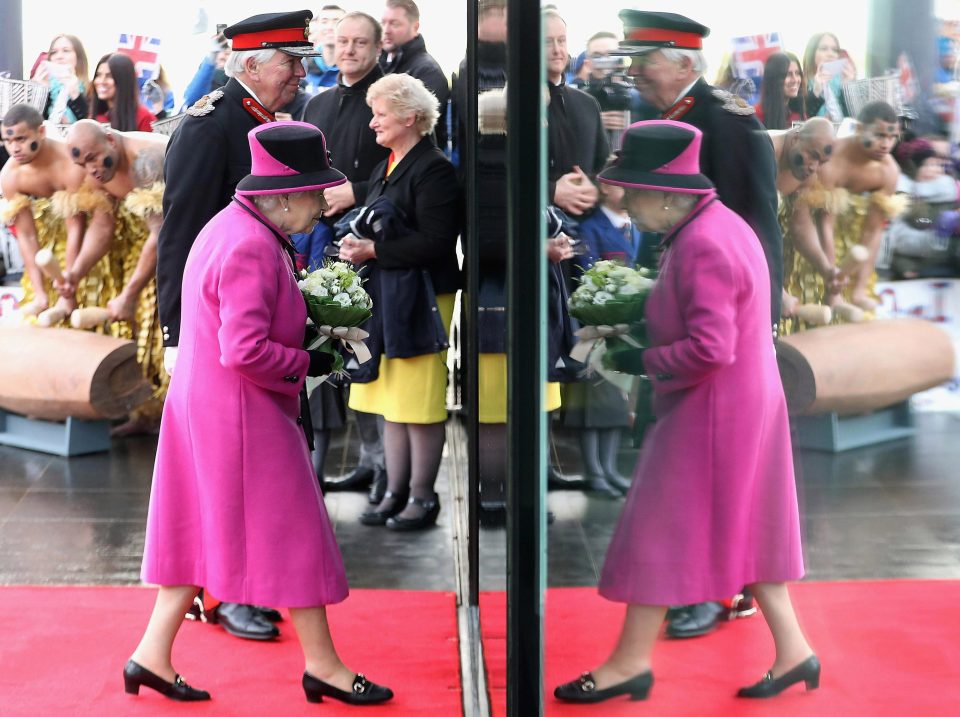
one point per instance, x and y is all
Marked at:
(713, 505)
(235, 506)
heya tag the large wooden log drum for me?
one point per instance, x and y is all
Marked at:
(54, 374)
(856, 368)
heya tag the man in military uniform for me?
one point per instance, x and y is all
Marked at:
(208, 155)
(736, 155)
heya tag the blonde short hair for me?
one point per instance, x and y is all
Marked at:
(407, 96)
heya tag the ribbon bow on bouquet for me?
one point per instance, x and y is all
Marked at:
(350, 337)
(592, 345)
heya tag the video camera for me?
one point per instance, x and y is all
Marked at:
(612, 91)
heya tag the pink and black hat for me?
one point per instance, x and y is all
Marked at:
(661, 155)
(288, 157)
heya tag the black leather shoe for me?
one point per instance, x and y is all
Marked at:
(245, 621)
(357, 479)
(695, 620)
(364, 692)
(380, 517)
(556, 481)
(378, 487)
(600, 486)
(269, 613)
(807, 671)
(431, 508)
(135, 677)
(585, 689)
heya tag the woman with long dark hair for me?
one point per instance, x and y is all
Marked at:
(115, 97)
(783, 92)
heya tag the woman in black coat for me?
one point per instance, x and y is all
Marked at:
(406, 238)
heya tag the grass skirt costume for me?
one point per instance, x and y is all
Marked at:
(101, 283)
(130, 233)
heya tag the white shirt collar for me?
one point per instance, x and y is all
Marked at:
(249, 91)
(686, 91)
(618, 220)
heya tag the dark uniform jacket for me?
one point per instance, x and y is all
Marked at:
(423, 186)
(737, 155)
(342, 114)
(206, 158)
(413, 59)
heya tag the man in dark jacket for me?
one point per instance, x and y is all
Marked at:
(736, 154)
(342, 114)
(405, 51)
(207, 156)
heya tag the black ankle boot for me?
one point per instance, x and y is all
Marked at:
(430, 508)
(379, 517)
(364, 692)
(584, 689)
(135, 676)
(807, 671)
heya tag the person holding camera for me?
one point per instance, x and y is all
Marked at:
(65, 72)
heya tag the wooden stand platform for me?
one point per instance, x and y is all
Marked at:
(835, 434)
(73, 437)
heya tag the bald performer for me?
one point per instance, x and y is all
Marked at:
(40, 168)
(129, 165)
(800, 153)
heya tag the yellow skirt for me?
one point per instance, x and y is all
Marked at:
(493, 390)
(409, 390)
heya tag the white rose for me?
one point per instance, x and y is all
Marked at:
(602, 297)
(354, 286)
(342, 299)
(628, 290)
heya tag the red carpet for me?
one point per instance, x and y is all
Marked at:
(887, 648)
(62, 650)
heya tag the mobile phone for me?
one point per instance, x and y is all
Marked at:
(834, 67)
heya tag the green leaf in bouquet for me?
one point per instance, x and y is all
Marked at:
(323, 311)
(612, 312)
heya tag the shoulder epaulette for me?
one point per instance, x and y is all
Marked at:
(205, 105)
(732, 103)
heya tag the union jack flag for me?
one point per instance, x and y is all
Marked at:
(751, 52)
(145, 53)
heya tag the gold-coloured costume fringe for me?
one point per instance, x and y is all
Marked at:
(51, 234)
(83, 201)
(130, 233)
(818, 197)
(145, 201)
(12, 206)
(799, 277)
(892, 205)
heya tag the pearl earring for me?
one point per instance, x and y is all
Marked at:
(286, 209)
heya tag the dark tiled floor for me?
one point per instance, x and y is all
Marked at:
(886, 511)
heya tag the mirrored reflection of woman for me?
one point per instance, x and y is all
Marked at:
(233, 467)
(783, 92)
(115, 96)
(66, 75)
(409, 255)
(721, 434)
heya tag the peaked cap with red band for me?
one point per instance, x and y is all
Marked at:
(647, 31)
(284, 31)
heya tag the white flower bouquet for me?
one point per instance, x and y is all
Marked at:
(610, 293)
(337, 304)
(609, 302)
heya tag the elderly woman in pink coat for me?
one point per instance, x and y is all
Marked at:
(713, 505)
(232, 464)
